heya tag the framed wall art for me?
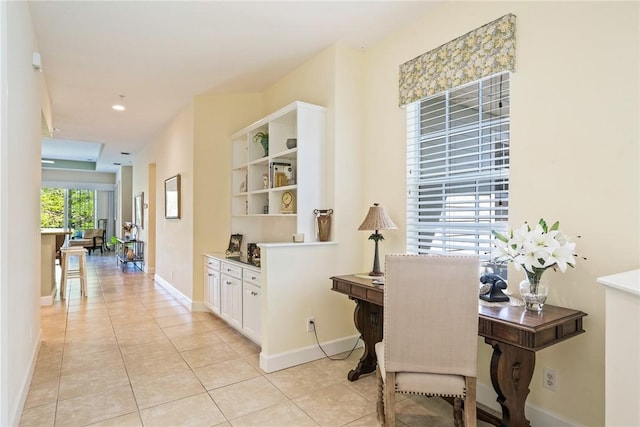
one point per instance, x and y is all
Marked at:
(138, 210)
(172, 197)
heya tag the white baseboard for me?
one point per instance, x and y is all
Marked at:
(16, 414)
(182, 298)
(302, 355)
(487, 396)
(48, 300)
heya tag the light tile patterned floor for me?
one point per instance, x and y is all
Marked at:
(131, 355)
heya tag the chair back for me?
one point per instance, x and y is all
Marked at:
(431, 314)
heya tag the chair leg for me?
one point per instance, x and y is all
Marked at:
(457, 412)
(470, 413)
(82, 260)
(63, 275)
(390, 400)
(380, 400)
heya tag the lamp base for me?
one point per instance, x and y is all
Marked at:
(376, 274)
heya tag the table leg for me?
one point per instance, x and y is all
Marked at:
(511, 373)
(368, 319)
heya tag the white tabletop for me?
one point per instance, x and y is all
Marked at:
(629, 281)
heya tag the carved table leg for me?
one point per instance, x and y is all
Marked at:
(511, 372)
(368, 320)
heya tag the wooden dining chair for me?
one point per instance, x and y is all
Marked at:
(430, 332)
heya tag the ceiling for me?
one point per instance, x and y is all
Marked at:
(155, 56)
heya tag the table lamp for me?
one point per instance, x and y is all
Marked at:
(377, 219)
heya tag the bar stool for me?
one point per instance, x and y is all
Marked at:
(72, 273)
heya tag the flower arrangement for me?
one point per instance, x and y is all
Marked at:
(130, 230)
(128, 226)
(536, 250)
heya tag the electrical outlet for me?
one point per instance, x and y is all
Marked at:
(550, 379)
(311, 324)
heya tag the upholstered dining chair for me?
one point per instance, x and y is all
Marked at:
(430, 332)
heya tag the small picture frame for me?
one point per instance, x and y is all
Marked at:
(253, 254)
(234, 245)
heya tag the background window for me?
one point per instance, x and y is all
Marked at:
(71, 209)
(458, 168)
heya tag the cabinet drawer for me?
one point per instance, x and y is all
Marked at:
(231, 281)
(212, 263)
(250, 276)
(232, 270)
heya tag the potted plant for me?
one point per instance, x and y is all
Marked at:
(263, 139)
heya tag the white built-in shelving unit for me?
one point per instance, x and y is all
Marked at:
(256, 205)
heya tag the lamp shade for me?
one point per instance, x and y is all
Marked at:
(377, 219)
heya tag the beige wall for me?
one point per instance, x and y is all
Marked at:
(216, 117)
(169, 154)
(21, 112)
(574, 158)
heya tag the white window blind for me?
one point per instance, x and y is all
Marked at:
(458, 168)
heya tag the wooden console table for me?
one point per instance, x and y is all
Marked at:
(514, 334)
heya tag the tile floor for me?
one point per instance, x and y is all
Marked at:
(131, 355)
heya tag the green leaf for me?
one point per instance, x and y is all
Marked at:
(543, 224)
(555, 226)
(499, 236)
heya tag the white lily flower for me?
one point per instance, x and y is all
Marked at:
(535, 249)
(562, 256)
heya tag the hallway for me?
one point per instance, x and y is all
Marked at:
(131, 355)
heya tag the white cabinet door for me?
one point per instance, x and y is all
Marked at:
(212, 290)
(251, 324)
(231, 300)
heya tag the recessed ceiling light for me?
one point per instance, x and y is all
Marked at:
(119, 107)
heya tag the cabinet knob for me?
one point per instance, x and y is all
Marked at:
(254, 293)
(253, 277)
(228, 282)
(210, 274)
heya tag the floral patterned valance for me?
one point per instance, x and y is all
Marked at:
(482, 52)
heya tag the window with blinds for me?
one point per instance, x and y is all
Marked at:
(458, 168)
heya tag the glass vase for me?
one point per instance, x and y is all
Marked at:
(534, 294)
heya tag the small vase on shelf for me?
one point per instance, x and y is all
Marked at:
(323, 223)
(534, 291)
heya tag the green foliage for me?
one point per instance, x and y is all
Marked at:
(258, 137)
(80, 207)
(52, 208)
(82, 210)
